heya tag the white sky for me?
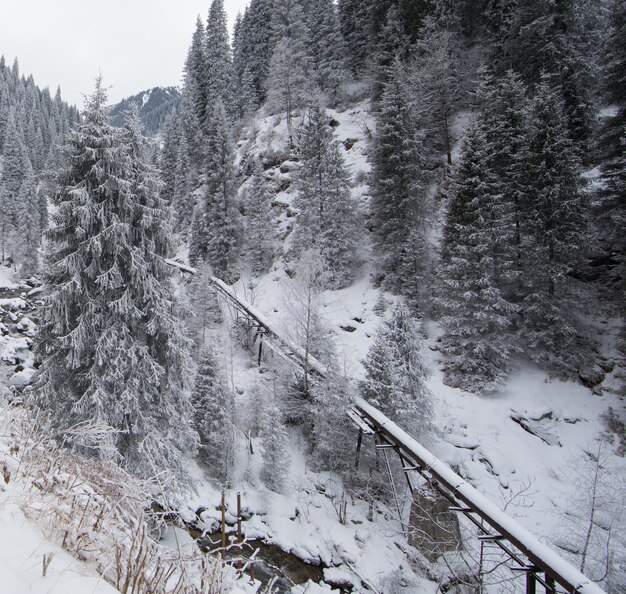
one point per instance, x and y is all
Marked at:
(137, 44)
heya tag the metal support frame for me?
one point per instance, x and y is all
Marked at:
(521, 555)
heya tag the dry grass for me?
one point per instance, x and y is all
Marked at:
(97, 512)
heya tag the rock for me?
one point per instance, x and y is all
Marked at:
(591, 375)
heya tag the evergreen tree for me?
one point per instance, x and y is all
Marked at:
(14, 166)
(558, 219)
(111, 351)
(289, 77)
(327, 213)
(259, 234)
(476, 317)
(505, 117)
(435, 71)
(29, 226)
(395, 380)
(275, 442)
(399, 194)
(327, 47)
(220, 75)
(254, 48)
(354, 18)
(218, 210)
(182, 203)
(213, 417)
(391, 47)
(205, 309)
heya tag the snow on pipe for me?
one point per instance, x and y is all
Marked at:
(536, 551)
(312, 363)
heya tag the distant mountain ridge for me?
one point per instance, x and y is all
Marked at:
(154, 107)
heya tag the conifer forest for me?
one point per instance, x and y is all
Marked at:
(343, 312)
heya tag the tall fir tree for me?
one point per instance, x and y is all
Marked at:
(110, 348)
(213, 417)
(395, 377)
(29, 225)
(399, 201)
(259, 234)
(220, 74)
(326, 216)
(275, 442)
(476, 317)
(558, 219)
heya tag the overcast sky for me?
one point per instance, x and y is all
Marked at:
(137, 44)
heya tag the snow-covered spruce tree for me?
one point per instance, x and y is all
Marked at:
(213, 416)
(220, 74)
(356, 30)
(204, 306)
(328, 50)
(434, 70)
(327, 213)
(395, 380)
(259, 235)
(29, 226)
(289, 80)
(110, 349)
(391, 47)
(253, 49)
(216, 242)
(558, 216)
(476, 317)
(333, 435)
(14, 165)
(505, 117)
(182, 200)
(275, 442)
(399, 191)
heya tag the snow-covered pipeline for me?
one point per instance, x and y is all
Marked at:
(539, 553)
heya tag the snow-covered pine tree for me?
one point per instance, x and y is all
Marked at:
(476, 317)
(259, 235)
(327, 213)
(253, 49)
(220, 74)
(14, 165)
(356, 30)
(289, 81)
(169, 157)
(183, 201)
(220, 197)
(275, 442)
(434, 70)
(328, 50)
(399, 191)
(395, 380)
(29, 226)
(558, 216)
(213, 417)
(390, 48)
(505, 116)
(206, 313)
(110, 349)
